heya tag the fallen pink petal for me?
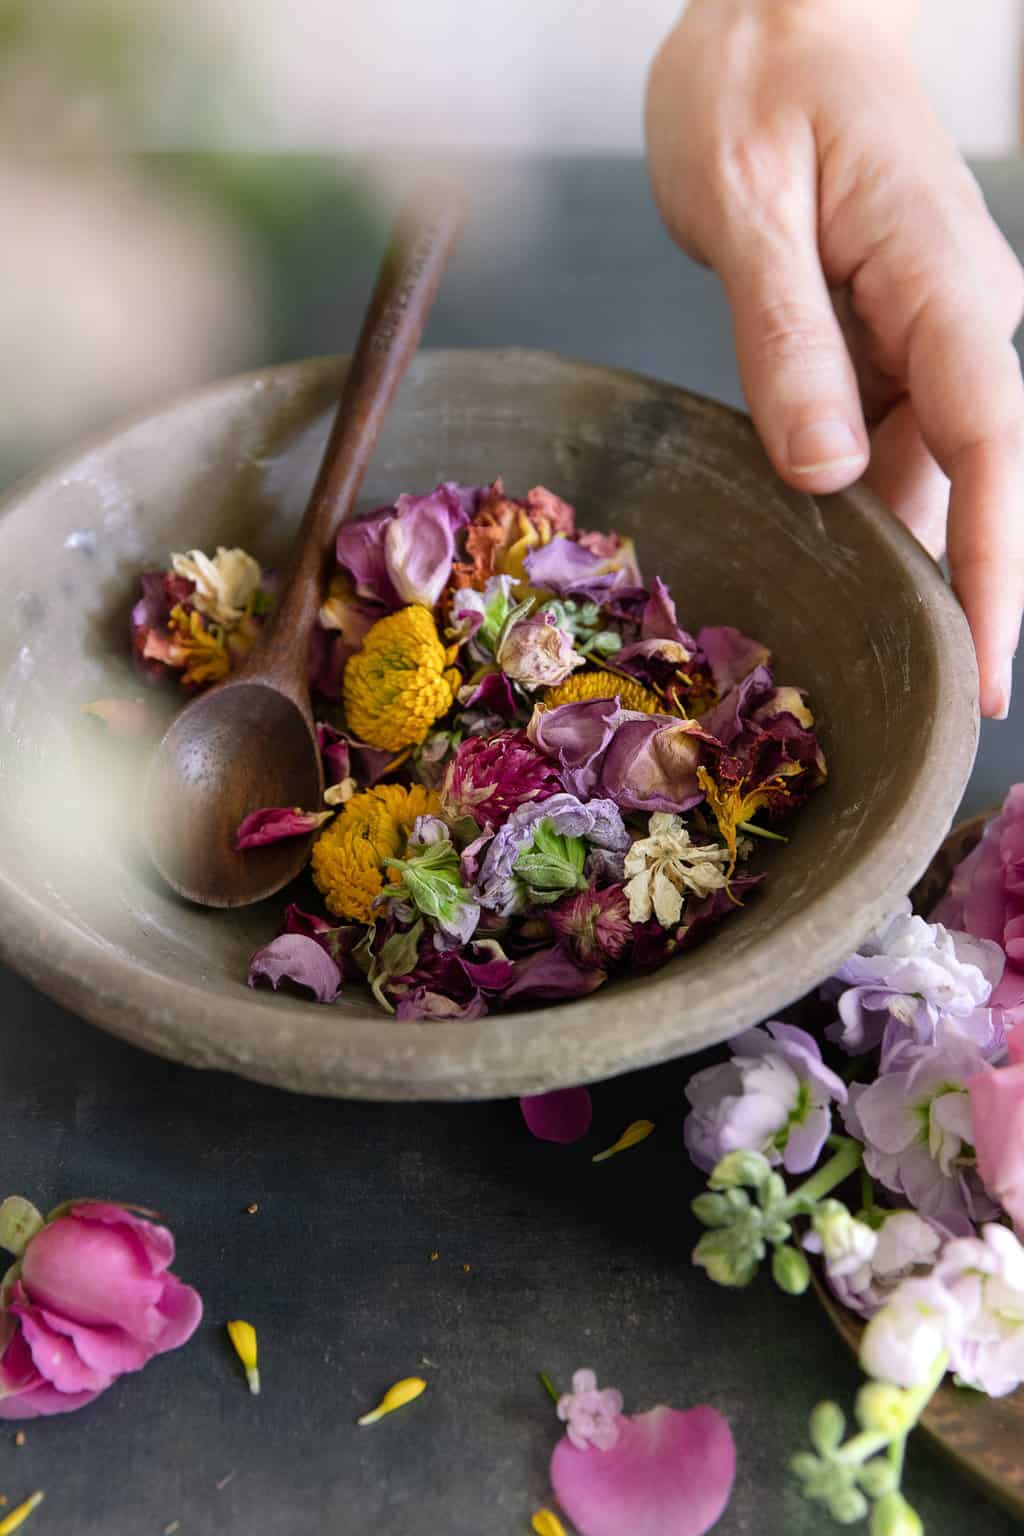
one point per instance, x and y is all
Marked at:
(669, 1473)
(273, 823)
(563, 1116)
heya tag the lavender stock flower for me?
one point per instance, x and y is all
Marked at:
(598, 823)
(915, 1124)
(772, 1097)
(912, 982)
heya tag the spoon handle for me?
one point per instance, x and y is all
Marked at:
(407, 285)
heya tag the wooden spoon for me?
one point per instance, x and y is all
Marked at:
(251, 741)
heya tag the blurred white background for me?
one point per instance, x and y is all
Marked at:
(126, 277)
(544, 74)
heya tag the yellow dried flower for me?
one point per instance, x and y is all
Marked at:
(19, 1515)
(349, 857)
(201, 645)
(401, 681)
(605, 685)
(243, 1337)
(405, 1391)
(638, 1131)
(731, 808)
(546, 1523)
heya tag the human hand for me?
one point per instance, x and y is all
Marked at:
(792, 149)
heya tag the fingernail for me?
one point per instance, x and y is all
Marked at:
(1005, 693)
(823, 445)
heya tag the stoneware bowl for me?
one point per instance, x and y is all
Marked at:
(850, 606)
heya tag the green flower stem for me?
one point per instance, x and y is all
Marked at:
(756, 831)
(548, 1385)
(838, 1168)
(870, 1441)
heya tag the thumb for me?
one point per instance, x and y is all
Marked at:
(796, 372)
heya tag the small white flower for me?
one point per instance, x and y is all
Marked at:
(848, 1245)
(905, 1241)
(661, 867)
(903, 1341)
(985, 1278)
(223, 585)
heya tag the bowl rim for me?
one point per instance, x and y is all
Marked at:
(477, 1060)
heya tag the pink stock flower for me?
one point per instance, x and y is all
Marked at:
(563, 1116)
(590, 1416)
(662, 1473)
(997, 1118)
(91, 1299)
(986, 899)
(490, 776)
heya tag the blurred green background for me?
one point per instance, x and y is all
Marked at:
(129, 276)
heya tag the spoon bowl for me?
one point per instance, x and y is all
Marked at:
(243, 746)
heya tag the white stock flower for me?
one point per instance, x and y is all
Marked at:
(848, 1245)
(985, 1277)
(903, 1341)
(223, 585)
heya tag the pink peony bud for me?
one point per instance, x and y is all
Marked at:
(91, 1299)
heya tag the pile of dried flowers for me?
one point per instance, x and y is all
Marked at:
(536, 776)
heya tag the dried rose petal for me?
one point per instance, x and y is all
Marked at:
(273, 823)
(670, 1473)
(563, 1116)
(300, 960)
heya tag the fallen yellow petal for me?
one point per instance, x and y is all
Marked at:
(546, 1523)
(14, 1519)
(243, 1337)
(638, 1131)
(402, 1392)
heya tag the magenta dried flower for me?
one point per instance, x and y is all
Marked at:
(594, 925)
(488, 778)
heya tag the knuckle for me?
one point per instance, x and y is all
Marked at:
(797, 336)
(758, 182)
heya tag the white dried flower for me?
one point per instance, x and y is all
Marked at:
(224, 585)
(661, 867)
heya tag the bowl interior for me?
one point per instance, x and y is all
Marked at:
(852, 610)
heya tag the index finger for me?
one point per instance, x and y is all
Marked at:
(965, 385)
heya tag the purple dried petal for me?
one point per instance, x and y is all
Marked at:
(422, 1003)
(552, 974)
(659, 621)
(561, 565)
(360, 550)
(492, 693)
(651, 765)
(731, 655)
(292, 957)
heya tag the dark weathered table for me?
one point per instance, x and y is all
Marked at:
(544, 1261)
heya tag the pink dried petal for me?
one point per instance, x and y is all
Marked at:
(670, 1473)
(273, 823)
(562, 1116)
